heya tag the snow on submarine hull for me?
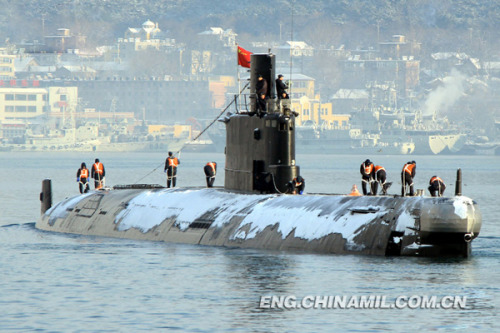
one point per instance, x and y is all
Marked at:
(256, 208)
(338, 224)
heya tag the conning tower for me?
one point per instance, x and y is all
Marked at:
(260, 146)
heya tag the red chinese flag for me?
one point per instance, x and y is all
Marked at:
(36, 83)
(244, 57)
(2, 83)
(24, 83)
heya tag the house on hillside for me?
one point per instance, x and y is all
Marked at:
(147, 31)
(218, 36)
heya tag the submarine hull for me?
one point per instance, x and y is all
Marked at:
(383, 225)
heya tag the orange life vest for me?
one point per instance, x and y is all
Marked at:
(212, 165)
(84, 173)
(173, 162)
(98, 168)
(433, 179)
(297, 183)
(408, 168)
(368, 169)
(378, 168)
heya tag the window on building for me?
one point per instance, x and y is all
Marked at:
(9, 97)
(21, 97)
(32, 109)
(9, 108)
(21, 108)
(63, 98)
(31, 97)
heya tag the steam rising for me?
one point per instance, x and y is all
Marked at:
(445, 96)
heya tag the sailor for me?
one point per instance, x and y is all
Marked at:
(98, 173)
(82, 177)
(298, 185)
(171, 164)
(380, 178)
(354, 191)
(436, 186)
(210, 172)
(281, 88)
(408, 174)
(367, 176)
(261, 91)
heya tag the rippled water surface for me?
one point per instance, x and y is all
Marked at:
(69, 283)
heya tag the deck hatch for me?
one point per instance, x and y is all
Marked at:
(90, 207)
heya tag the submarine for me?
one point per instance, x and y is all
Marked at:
(257, 207)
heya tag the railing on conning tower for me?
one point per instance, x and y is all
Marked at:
(243, 105)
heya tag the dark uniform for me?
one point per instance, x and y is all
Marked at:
(298, 185)
(408, 175)
(171, 164)
(98, 174)
(261, 91)
(380, 178)
(210, 172)
(436, 186)
(82, 177)
(281, 88)
(367, 176)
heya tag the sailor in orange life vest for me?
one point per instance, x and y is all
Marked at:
(98, 173)
(380, 178)
(82, 177)
(367, 176)
(408, 175)
(210, 172)
(297, 185)
(436, 186)
(171, 164)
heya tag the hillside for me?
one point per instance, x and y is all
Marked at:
(321, 21)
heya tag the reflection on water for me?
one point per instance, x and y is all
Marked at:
(261, 272)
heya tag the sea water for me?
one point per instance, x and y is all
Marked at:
(70, 283)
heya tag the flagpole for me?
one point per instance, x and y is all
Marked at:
(238, 76)
(290, 88)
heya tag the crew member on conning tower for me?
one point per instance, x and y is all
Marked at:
(261, 91)
(281, 88)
